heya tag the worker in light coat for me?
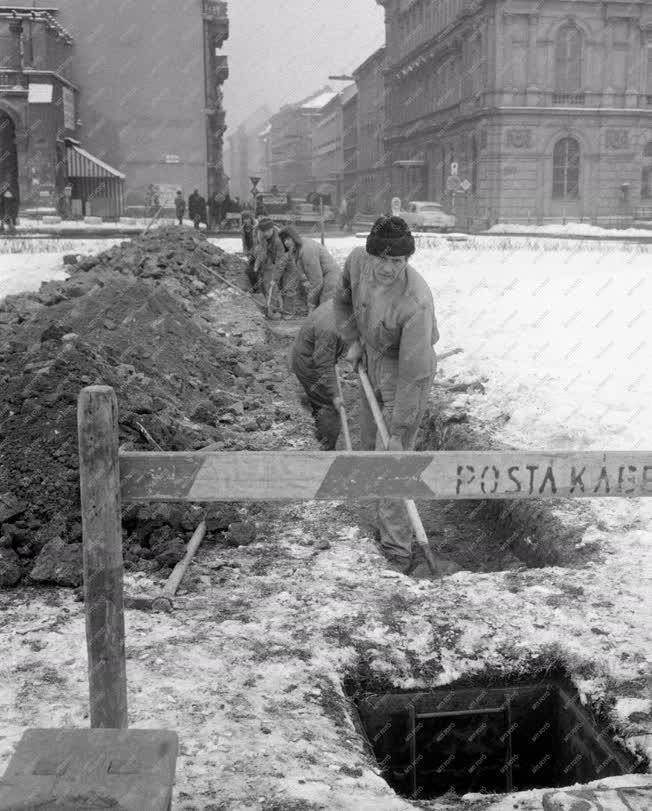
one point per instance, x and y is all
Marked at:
(314, 264)
(275, 266)
(385, 311)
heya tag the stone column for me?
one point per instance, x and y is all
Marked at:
(533, 83)
(634, 57)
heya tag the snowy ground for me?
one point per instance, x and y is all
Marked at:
(578, 228)
(560, 333)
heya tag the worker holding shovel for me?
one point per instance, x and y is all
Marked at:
(385, 311)
(276, 268)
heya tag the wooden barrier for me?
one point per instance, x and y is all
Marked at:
(108, 478)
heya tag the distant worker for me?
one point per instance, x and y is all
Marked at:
(248, 233)
(274, 266)
(343, 212)
(384, 310)
(314, 264)
(313, 357)
(179, 206)
(217, 210)
(8, 208)
(197, 208)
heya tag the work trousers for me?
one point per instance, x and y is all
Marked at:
(285, 290)
(324, 413)
(391, 516)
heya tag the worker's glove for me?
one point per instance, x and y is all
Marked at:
(338, 403)
(395, 444)
(354, 355)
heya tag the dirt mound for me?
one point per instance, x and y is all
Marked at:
(133, 318)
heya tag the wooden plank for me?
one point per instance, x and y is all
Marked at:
(91, 768)
(97, 425)
(365, 476)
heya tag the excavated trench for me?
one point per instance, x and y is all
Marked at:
(488, 737)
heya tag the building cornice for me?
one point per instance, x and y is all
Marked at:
(53, 74)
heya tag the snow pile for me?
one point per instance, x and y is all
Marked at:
(574, 228)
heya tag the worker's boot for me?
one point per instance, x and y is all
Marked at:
(400, 564)
(443, 567)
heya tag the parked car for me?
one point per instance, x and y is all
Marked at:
(427, 216)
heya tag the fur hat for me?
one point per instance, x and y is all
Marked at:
(265, 224)
(390, 236)
(291, 231)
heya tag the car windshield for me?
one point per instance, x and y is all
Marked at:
(430, 207)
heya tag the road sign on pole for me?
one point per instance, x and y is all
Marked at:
(454, 169)
(465, 185)
(453, 183)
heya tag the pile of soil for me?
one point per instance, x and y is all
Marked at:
(136, 318)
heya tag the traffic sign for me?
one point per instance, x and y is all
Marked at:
(454, 169)
(453, 183)
(465, 185)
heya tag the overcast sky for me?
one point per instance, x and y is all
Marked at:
(282, 50)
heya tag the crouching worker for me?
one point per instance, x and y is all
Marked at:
(315, 352)
(385, 311)
(275, 267)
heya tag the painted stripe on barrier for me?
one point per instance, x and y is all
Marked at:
(363, 476)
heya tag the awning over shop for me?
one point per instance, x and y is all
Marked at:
(81, 163)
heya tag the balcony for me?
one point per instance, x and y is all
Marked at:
(12, 80)
(221, 73)
(214, 10)
(569, 99)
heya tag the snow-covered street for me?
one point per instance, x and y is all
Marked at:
(249, 669)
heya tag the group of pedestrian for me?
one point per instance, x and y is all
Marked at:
(212, 214)
(378, 313)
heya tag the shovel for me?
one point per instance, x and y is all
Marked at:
(413, 515)
(345, 424)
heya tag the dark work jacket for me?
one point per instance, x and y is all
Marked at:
(316, 350)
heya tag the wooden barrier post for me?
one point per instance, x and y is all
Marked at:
(99, 474)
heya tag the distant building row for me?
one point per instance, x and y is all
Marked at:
(544, 109)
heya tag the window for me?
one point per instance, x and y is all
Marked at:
(646, 172)
(474, 164)
(649, 69)
(568, 60)
(566, 169)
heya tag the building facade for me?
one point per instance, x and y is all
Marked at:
(328, 146)
(373, 188)
(350, 145)
(150, 98)
(246, 153)
(289, 145)
(544, 109)
(38, 101)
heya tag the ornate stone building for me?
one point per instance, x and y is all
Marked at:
(545, 107)
(372, 183)
(150, 97)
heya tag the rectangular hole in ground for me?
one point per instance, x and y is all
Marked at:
(487, 740)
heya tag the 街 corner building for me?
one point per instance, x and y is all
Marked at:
(98, 106)
(544, 108)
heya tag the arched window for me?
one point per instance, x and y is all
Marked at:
(568, 60)
(566, 169)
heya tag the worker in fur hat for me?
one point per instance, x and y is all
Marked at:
(275, 266)
(385, 311)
